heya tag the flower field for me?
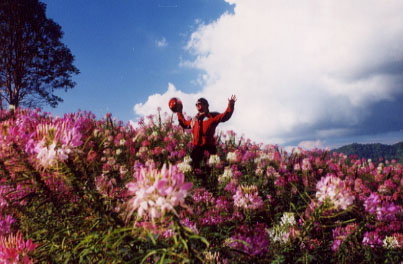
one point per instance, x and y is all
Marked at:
(77, 189)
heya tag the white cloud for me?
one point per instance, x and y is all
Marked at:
(161, 100)
(301, 70)
(162, 42)
(310, 144)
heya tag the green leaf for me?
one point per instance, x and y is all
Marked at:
(149, 254)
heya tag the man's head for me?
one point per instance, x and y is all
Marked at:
(202, 105)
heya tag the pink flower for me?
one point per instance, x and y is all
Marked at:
(335, 190)
(54, 141)
(105, 186)
(231, 186)
(306, 165)
(271, 172)
(157, 192)
(247, 197)
(200, 195)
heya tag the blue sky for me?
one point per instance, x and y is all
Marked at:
(127, 50)
(313, 74)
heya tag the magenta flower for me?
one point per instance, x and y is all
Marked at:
(372, 202)
(5, 224)
(14, 249)
(155, 193)
(387, 212)
(10, 195)
(340, 234)
(372, 239)
(231, 186)
(253, 241)
(189, 224)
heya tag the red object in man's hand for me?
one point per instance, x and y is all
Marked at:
(175, 105)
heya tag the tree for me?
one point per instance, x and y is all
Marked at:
(33, 60)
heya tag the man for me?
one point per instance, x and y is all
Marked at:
(203, 127)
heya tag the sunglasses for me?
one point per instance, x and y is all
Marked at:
(197, 104)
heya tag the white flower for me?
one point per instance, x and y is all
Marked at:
(390, 242)
(63, 153)
(185, 167)
(281, 233)
(231, 156)
(259, 171)
(211, 257)
(46, 155)
(278, 234)
(288, 219)
(227, 175)
(214, 159)
(123, 170)
(187, 159)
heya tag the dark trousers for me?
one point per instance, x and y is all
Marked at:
(197, 154)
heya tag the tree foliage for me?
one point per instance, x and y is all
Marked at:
(374, 151)
(33, 60)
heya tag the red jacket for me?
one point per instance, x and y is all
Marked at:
(205, 136)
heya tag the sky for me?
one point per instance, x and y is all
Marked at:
(306, 73)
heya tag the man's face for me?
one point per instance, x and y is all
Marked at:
(201, 107)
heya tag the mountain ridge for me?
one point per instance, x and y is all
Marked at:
(377, 152)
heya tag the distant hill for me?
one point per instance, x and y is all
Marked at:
(374, 151)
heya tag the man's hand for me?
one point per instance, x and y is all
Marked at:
(232, 100)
